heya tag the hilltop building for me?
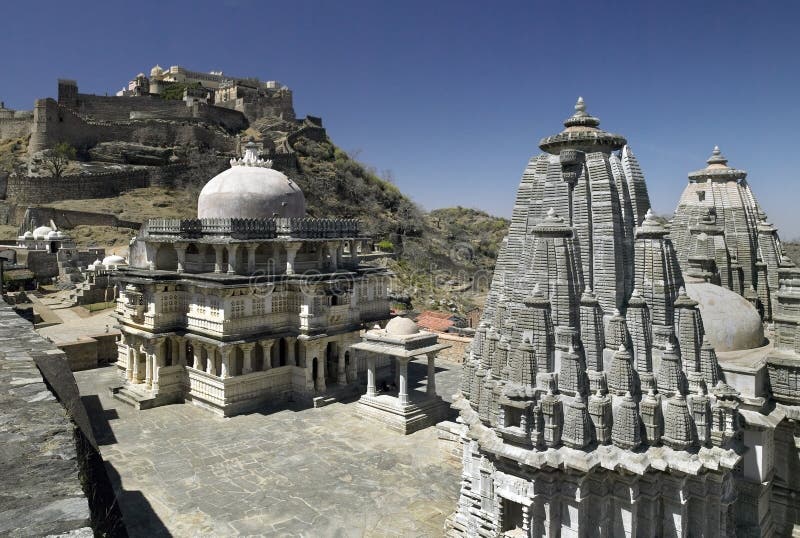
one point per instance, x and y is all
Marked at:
(721, 233)
(251, 303)
(49, 254)
(608, 394)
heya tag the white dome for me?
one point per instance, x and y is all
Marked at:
(114, 260)
(401, 327)
(52, 234)
(28, 235)
(731, 323)
(250, 189)
(41, 232)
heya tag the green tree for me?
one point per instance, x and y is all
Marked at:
(56, 160)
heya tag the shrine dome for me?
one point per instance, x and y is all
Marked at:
(251, 189)
(41, 232)
(731, 323)
(401, 327)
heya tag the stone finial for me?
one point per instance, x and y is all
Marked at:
(580, 107)
(717, 157)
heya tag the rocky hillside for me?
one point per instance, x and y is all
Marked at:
(443, 258)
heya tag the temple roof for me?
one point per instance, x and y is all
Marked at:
(582, 132)
(717, 169)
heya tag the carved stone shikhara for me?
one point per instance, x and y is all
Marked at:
(592, 399)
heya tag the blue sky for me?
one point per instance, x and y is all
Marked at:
(453, 96)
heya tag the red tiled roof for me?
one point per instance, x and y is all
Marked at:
(435, 321)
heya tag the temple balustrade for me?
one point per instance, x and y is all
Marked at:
(222, 392)
(269, 228)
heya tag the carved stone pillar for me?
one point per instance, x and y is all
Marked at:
(211, 356)
(233, 251)
(159, 356)
(291, 359)
(341, 374)
(321, 366)
(218, 257)
(247, 351)
(196, 356)
(371, 375)
(180, 249)
(291, 252)
(402, 392)
(354, 253)
(251, 258)
(266, 347)
(333, 252)
(431, 389)
(181, 350)
(225, 370)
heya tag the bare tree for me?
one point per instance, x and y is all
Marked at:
(56, 160)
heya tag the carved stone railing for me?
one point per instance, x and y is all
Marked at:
(270, 228)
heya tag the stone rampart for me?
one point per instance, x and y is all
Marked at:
(68, 219)
(53, 479)
(15, 123)
(212, 129)
(42, 190)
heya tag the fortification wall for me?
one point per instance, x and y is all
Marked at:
(42, 190)
(68, 219)
(54, 123)
(15, 123)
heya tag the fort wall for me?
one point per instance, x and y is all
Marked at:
(211, 129)
(42, 190)
(68, 219)
(15, 123)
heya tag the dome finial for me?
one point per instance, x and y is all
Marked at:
(717, 157)
(250, 156)
(580, 107)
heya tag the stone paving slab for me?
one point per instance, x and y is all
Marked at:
(182, 471)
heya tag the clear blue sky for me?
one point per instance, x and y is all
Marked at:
(452, 97)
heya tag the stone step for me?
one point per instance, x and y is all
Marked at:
(322, 401)
(133, 398)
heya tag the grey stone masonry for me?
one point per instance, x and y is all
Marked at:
(40, 483)
(579, 417)
(721, 234)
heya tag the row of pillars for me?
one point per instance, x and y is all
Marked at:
(402, 385)
(291, 248)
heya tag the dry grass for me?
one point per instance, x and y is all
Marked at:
(141, 204)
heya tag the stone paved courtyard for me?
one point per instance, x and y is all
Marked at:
(182, 471)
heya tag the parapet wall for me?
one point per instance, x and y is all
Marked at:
(47, 440)
(210, 128)
(42, 190)
(15, 123)
(68, 219)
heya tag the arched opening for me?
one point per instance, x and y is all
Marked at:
(331, 362)
(189, 348)
(265, 258)
(299, 356)
(275, 355)
(167, 258)
(257, 358)
(193, 260)
(237, 361)
(282, 351)
(314, 368)
(169, 360)
(347, 365)
(240, 262)
(225, 259)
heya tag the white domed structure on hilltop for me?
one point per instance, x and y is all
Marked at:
(251, 189)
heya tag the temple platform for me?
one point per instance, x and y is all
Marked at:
(421, 411)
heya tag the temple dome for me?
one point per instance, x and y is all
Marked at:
(41, 232)
(114, 260)
(731, 323)
(251, 189)
(401, 327)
